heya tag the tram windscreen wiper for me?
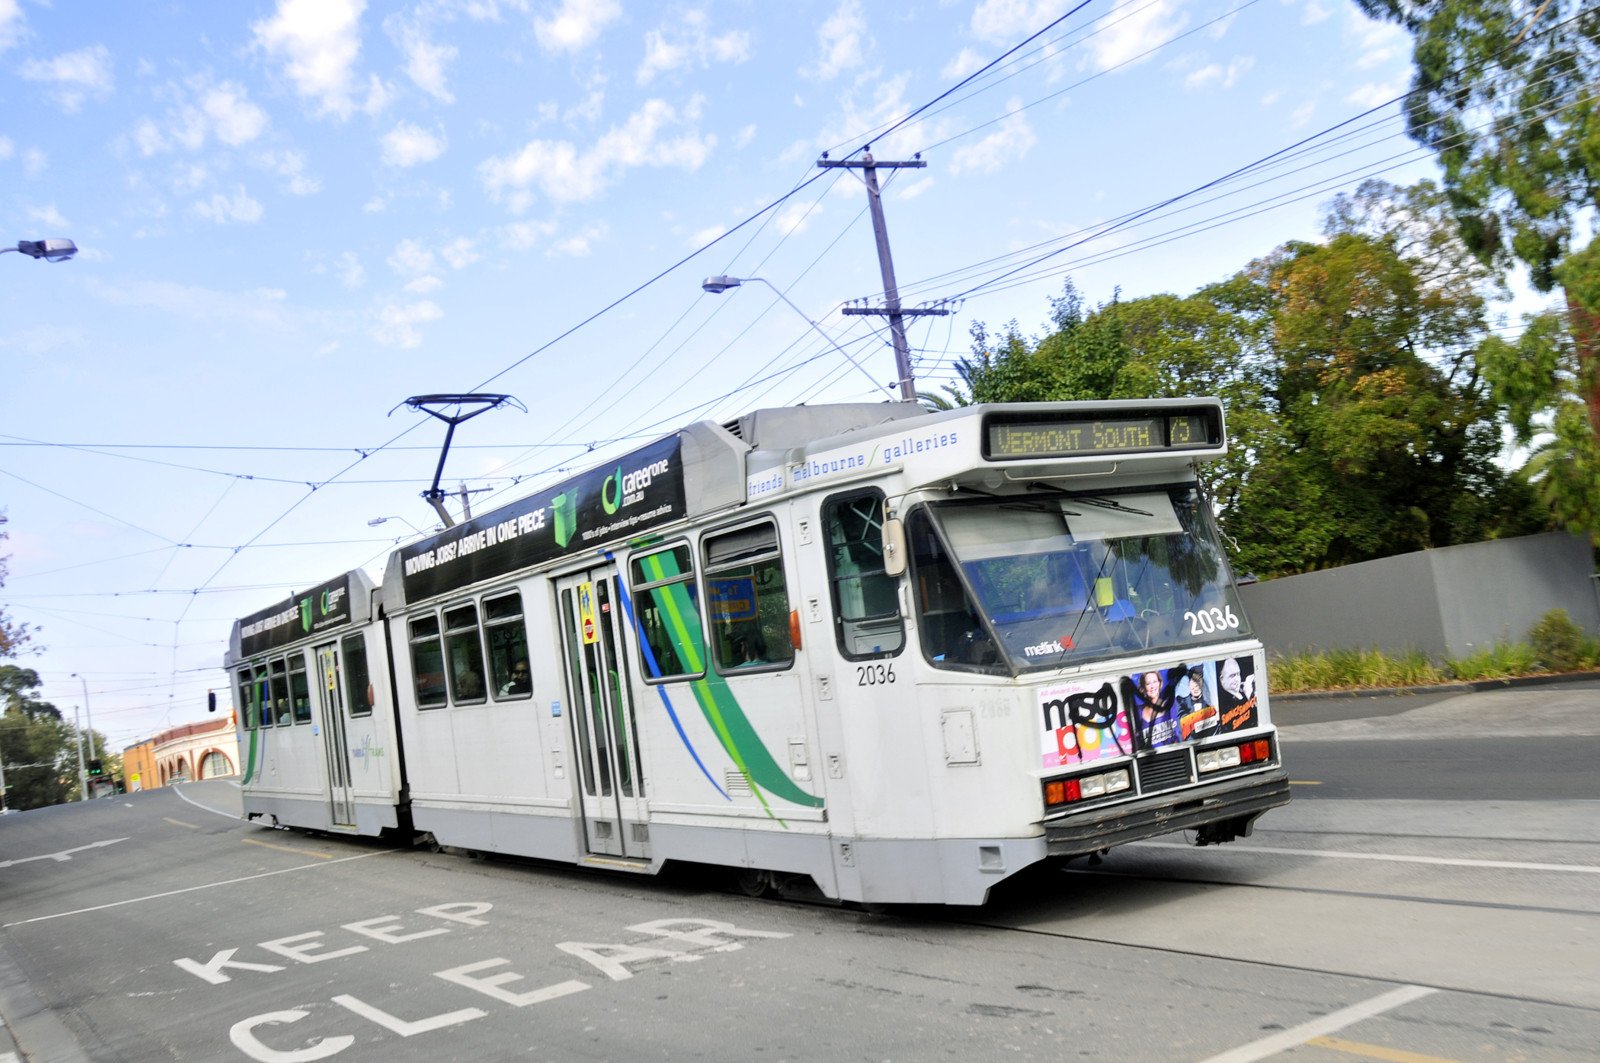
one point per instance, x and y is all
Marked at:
(1110, 503)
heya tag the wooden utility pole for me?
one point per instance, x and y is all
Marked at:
(891, 292)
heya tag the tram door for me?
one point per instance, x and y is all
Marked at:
(331, 700)
(605, 738)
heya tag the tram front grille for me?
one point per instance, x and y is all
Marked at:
(1165, 771)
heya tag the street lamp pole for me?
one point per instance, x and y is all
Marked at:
(718, 285)
(83, 778)
(88, 716)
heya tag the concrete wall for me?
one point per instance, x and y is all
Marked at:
(1449, 602)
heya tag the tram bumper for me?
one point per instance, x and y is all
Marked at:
(1220, 811)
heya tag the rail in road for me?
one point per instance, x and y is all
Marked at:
(1400, 909)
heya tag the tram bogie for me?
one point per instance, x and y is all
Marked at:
(901, 655)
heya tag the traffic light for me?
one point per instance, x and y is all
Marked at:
(94, 767)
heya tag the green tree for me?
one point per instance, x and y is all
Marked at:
(38, 747)
(1508, 98)
(13, 636)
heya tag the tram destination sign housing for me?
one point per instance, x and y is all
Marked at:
(1070, 433)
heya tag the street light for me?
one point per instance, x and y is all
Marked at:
(375, 521)
(718, 285)
(89, 718)
(49, 250)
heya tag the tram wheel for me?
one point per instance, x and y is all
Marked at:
(753, 882)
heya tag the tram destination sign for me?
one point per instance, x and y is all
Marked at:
(623, 498)
(1068, 434)
(309, 613)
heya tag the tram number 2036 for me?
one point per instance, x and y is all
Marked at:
(872, 675)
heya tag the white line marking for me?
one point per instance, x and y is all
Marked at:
(191, 889)
(1334, 854)
(64, 855)
(203, 808)
(1282, 1042)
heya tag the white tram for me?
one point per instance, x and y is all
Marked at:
(902, 654)
(316, 716)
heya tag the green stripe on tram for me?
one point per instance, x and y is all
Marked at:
(717, 703)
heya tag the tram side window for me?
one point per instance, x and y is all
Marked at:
(466, 654)
(246, 700)
(667, 611)
(747, 600)
(299, 689)
(358, 681)
(427, 662)
(280, 694)
(866, 602)
(263, 696)
(508, 646)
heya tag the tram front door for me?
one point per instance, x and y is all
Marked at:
(330, 699)
(605, 738)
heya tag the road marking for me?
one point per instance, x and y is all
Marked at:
(288, 849)
(1308, 1031)
(1303, 782)
(179, 823)
(1388, 1055)
(63, 856)
(197, 804)
(1334, 854)
(192, 889)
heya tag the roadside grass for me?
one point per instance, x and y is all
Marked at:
(1555, 646)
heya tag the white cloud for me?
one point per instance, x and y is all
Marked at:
(575, 24)
(410, 258)
(522, 235)
(291, 166)
(409, 145)
(687, 42)
(7, 148)
(1007, 21)
(188, 303)
(202, 111)
(459, 253)
(913, 189)
(1217, 74)
(793, 217)
(397, 325)
(1004, 147)
(962, 65)
(49, 217)
(424, 285)
(706, 235)
(1302, 114)
(566, 174)
(745, 136)
(578, 244)
(1314, 13)
(1377, 93)
(843, 38)
(221, 209)
(1143, 29)
(1377, 42)
(426, 62)
(234, 119)
(319, 42)
(12, 25)
(73, 77)
(351, 273)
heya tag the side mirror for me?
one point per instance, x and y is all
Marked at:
(894, 546)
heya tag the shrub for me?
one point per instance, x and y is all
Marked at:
(1557, 641)
(1504, 660)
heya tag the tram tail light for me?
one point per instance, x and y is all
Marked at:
(1058, 792)
(1222, 758)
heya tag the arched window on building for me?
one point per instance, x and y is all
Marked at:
(215, 764)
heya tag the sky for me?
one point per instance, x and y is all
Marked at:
(294, 215)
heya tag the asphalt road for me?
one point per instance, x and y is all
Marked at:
(1430, 895)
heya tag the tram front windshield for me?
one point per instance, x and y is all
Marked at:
(1052, 580)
